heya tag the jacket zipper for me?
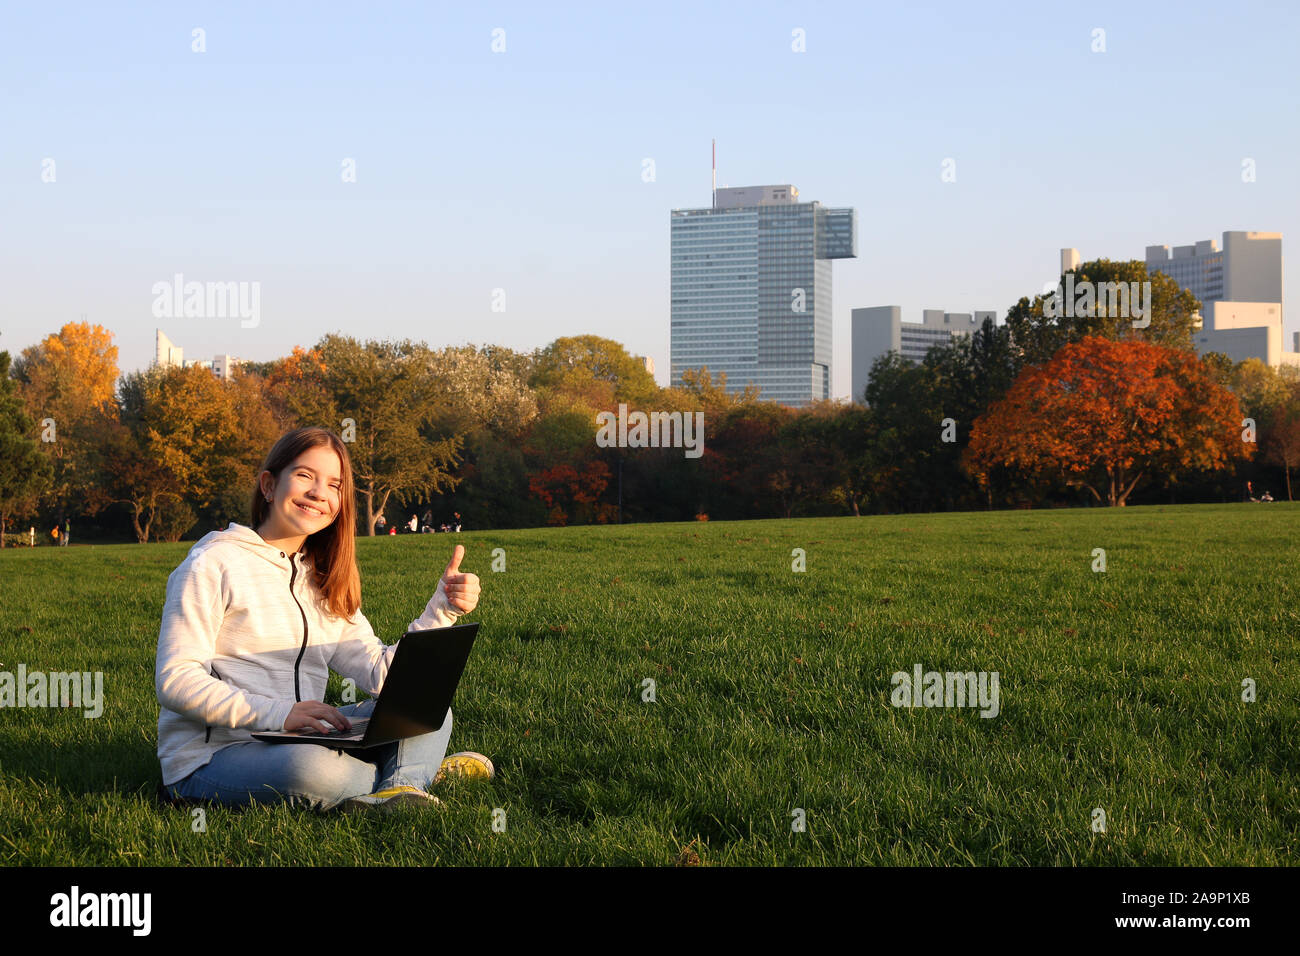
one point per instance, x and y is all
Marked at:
(297, 691)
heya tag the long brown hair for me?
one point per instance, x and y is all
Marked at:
(333, 548)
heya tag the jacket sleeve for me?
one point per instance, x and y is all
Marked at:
(437, 613)
(363, 657)
(187, 643)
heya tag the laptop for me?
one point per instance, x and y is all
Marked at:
(421, 682)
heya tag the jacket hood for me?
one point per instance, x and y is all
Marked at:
(249, 540)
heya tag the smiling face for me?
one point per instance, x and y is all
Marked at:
(304, 498)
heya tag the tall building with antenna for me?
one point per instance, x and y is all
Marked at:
(751, 290)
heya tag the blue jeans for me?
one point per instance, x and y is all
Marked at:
(314, 776)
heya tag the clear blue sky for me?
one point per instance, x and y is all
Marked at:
(522, 170)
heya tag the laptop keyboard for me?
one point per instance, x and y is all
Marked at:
(358, 729)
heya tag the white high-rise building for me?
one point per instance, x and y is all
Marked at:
(223, 367)
(881, 329)
(750, 290)
(1197, 268)
(1240, 289)
(1242, 330)
(167, 354)
(1247, 269)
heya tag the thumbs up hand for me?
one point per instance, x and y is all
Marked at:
(460, 589)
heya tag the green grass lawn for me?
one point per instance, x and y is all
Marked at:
(1119, 690)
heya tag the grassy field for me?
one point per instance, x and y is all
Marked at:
(1119, 690)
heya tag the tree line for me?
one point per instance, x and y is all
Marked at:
(1046, 409)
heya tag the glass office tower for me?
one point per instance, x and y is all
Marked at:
(751, 290)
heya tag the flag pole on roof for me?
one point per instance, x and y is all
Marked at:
(715, 174)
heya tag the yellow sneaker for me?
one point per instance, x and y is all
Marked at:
(467, 764)
(391, 798)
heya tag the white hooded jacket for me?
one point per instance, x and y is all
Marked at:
(245, 635)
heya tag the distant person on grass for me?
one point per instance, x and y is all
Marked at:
(255, 619)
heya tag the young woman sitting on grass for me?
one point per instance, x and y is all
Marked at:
(254, 620)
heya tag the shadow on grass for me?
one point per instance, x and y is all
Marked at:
(122, 766)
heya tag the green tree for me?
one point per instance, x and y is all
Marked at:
(843, 445)
(1038, 334)
(384, 398)
(596, 369)
(254, 430)
(24, 472)
(1219, 367)
(483, 389)
(994, 362)
(495, 491)
(135, 474)
(703, 392)
(923, 414)
(753, 473)
(1282, 442)
(1259, 387)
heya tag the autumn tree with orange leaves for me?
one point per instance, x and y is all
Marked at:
(67, 383)
(1104, 414)
(188, 445)
(294, 390)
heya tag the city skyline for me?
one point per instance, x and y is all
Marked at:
(525, 170)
